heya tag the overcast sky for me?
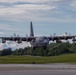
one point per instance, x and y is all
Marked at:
(48, 17)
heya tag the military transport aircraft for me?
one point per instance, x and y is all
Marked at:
(41, 41)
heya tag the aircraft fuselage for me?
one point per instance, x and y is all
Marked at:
(40, 42)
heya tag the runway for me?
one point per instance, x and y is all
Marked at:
(39, 72)
(37, 69)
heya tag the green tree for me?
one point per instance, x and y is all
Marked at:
(73, 48)
(6, 52)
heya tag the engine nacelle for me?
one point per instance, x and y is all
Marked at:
(19, 41)
(74, 40)
(58, 41)
(3, 41)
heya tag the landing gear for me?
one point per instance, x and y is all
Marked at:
(34, 48)
(44, 47)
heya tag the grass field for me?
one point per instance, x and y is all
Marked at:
(66, 58)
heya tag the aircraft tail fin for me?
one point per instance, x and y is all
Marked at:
(31, 30)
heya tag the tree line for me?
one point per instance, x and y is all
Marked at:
(52, 49)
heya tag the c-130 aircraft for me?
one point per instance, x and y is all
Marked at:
(41, 41)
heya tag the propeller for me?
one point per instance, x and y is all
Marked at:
(26, 37)
(16, 36)
(54, 34)
(3, 41)
(69, 34)
(74, 40)
(66, 34)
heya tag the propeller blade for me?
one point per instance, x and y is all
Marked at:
(14, 34)
(18, 35)
(54, 34)
(26, 38)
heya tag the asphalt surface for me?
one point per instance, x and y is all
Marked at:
(35, 69)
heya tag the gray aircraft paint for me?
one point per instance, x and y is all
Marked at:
(31, 30)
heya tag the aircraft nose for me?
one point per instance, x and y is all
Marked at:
(46, 41)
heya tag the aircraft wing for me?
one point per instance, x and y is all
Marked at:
(17, 38)
(52, 38)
